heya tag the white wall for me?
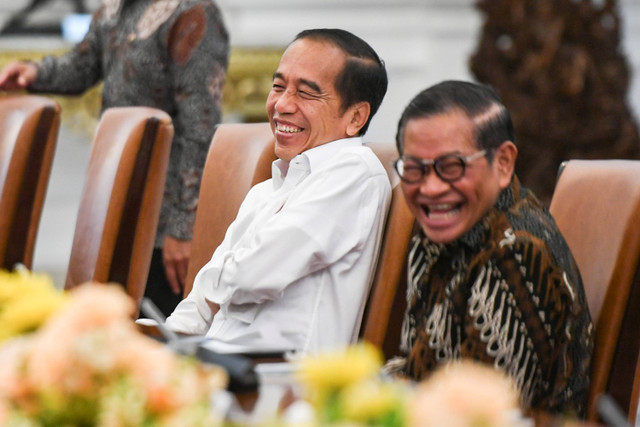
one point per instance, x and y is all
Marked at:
(630, 14)
(421, 41)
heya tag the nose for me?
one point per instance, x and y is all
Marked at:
(432, 185)
(285, 103)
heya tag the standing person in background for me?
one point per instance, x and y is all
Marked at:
(167, 54)
(491, 278)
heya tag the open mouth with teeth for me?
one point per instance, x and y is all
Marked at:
(288, 129)
(441, 212)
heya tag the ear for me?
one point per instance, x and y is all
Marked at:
(358, 115)
(504, 162)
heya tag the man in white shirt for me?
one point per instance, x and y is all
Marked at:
(295, 266)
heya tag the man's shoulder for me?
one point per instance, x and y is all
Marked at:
(531, 226)
(261, 187)
(360, 156)
(529, 219)
(529, 232)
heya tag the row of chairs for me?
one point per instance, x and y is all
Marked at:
(596, 205)
(120, 202)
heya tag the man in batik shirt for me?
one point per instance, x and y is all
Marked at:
(167, 54)
(490, 276)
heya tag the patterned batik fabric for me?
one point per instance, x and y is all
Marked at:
(507, 293)
(167, 54)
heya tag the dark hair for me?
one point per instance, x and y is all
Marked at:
(363, 78)
(480, 103)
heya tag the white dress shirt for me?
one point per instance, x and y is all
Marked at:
(294, 268)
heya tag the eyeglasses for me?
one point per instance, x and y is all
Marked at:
(449, 168)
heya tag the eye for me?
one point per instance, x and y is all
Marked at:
(307, 95)
(450, 166)
(411, 170)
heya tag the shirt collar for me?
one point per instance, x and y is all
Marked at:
(309, 160)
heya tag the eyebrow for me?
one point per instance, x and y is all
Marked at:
(311, 84)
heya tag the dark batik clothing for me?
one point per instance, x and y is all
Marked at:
(507, 293)
(167, 54)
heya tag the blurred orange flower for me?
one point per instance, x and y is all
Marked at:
(89, 365)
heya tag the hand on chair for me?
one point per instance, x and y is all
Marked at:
(18, 75)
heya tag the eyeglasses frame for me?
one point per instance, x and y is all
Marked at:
(425, 165)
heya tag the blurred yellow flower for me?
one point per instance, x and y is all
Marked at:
(333, 370)
(373, 401)
(27, 300)
(345, 389)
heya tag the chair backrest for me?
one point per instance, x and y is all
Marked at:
(120, 202)
(28, 134)
(239, 157)
(383, 314)
(596, 204)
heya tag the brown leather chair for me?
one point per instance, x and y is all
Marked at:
(240, 156)
(596, 205)
(28, 134)
(384, 309)
(120, 203)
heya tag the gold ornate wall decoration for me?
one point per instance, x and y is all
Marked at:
(249, 80)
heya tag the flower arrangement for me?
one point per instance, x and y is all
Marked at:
(88, 365)
(76, 359)
(345, 389)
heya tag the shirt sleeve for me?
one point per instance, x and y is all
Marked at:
(321, 222)
(194, 314)
(198, 46)
(75, 71)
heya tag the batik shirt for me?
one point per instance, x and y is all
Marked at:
(167, 54)
(507, 293)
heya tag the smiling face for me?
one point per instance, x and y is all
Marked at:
(446, 211)
(303, 106)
